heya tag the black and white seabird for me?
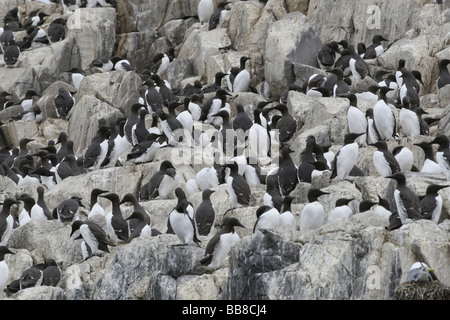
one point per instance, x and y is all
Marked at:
(287, 219)
(205, 9)
(376, 49)
(409, 120)
(213, 105)
(6, 220)
(444, 75)
(242, 80)
(31, 277)
(117, 227)
(431, 203)
(409, 88)
(345, 159)
(160, 62)
(359, 68)
(141, 227)
(40, 209)
(131, 198)
(405, 158)
(68, 167)
(94, 236)
(313, 213)
(217, 15)
(238, 188)
(76, 75)
(56, 30)
(341, 209)
(383, 117)
(429, 165)
(272, 197)
(287, 124)
(68, 210)
(183, 225)
(163, 89)
(407, 202)
(153, 98)
(216, 85)
(51, 273)
(287, 174)
(384, 161)
(96, 152)
(372, 133)
(327, 55)
(4, 268)
(166, 184)
(242, 120)
(340, 87)
(131, 121)
(356, 120)
(102, 64)
(267, 218)
(172, 128)
(64, 104)
(307, 157)
(148, 189)
(443, 154)
(205, 214)
(11, 55)
(95, 208)
(221, 243)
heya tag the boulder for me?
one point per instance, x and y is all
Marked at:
(285, 44)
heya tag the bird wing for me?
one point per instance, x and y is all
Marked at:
(242, 190)
(411, 204)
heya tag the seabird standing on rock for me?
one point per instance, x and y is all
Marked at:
(205, 215)
(287, 219)
(356, 120)
(205, 9)
(96, 152)
(327, 55)
(153, 98)
(383, 117)
(341, 209)
(443, 153)
(131, 122)
(220, 244)
(238, 188)
(64, 103)
(431, 204)
(213, 105)
(76, 75)
(242, 80)
(444, 76)
(409, 88)
(117, 227)
(94, 236)
(405, 158)
(287, 174)
(384, 161)
(68, 210)
(345, 159)
(407, 202)
(11, 55)
(95, 208)
(313, 213)
(216, 85)
(6, 220)
(429, 165)
(183, 225)
(102, 64)
(4, 269)
(376, 49)
(287, 124)
(148, 189)
(340, 87)
(56, 30)
(217, 15)
(131, 198)
(306, 166)
(266, 218)
(359, 68)
(141, 228)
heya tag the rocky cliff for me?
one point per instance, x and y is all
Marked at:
(359, 257)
